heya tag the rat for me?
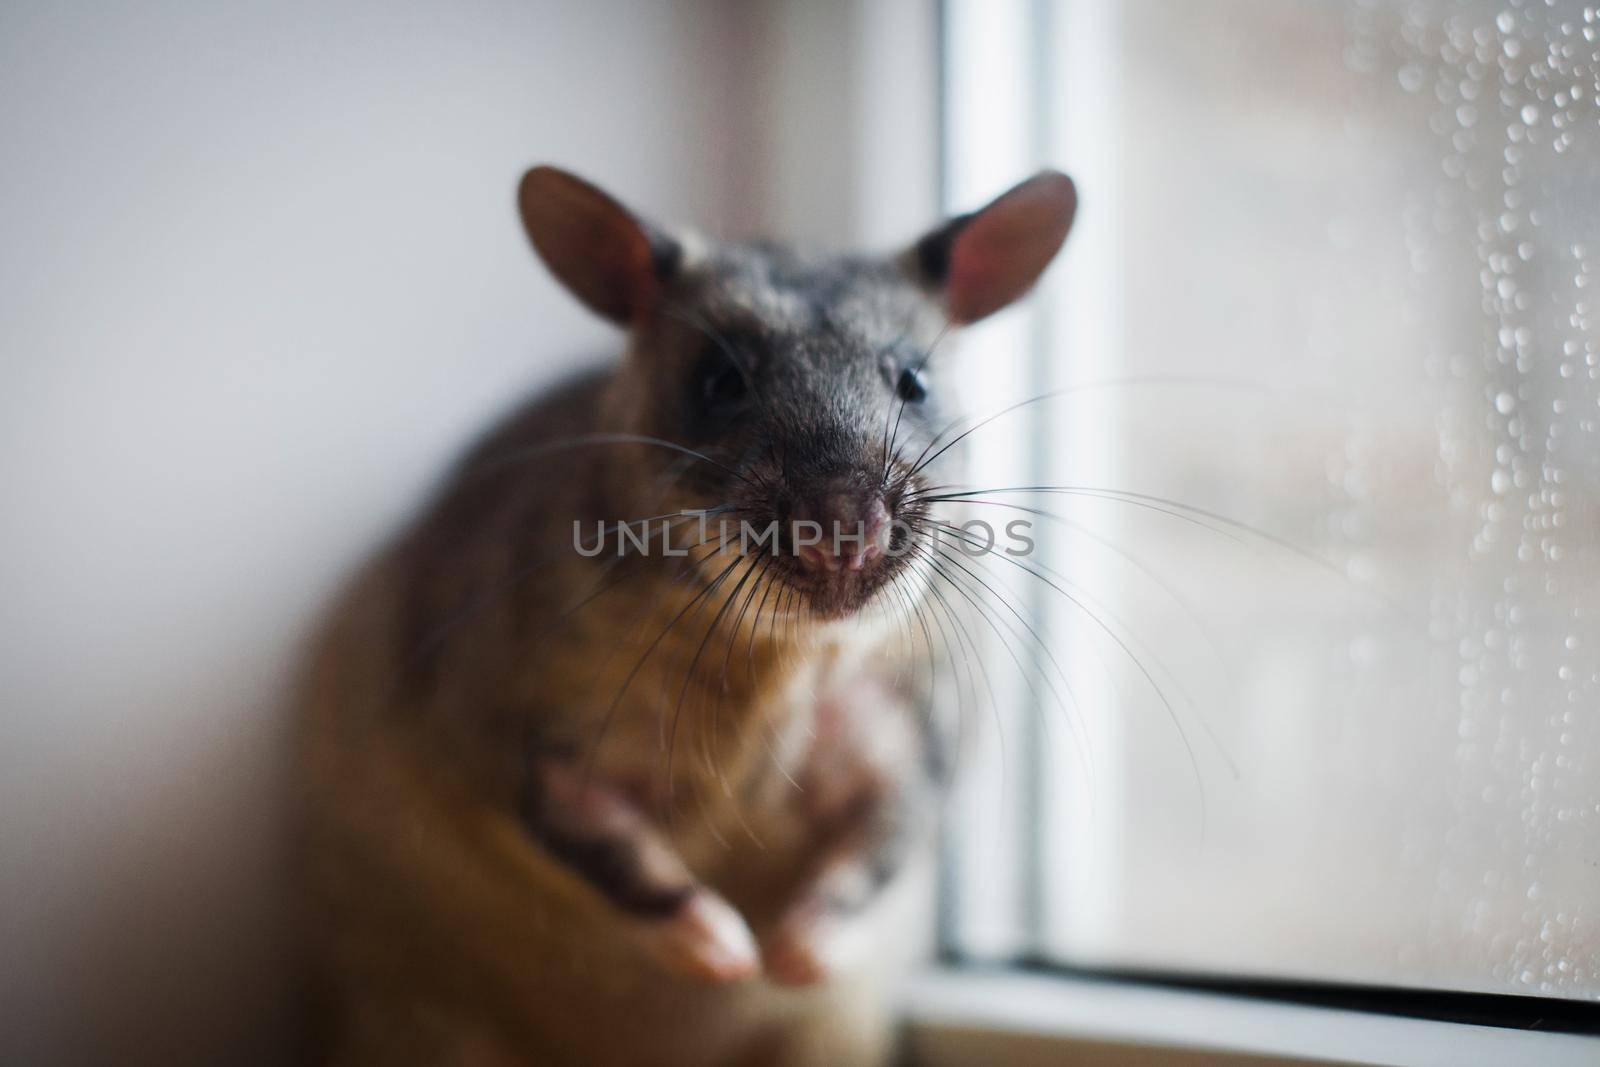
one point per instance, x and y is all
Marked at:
(607, 756)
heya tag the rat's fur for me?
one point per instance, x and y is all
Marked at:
(544, 793)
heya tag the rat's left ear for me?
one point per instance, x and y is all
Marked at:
(980, 262)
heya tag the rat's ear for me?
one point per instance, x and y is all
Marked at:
(980, 262)
(611, 260)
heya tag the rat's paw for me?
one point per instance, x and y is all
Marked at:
(601, 836)
(796, 954)
(812, 946)
(706, 940)
(816, 939)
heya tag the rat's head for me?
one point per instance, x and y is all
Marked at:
(797, 399)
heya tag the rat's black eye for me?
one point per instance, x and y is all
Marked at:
(910, 387)
(721, 382)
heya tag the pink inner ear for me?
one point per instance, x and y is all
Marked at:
(622, 256)
(977, 276)
(590, 242)
(1001, 251)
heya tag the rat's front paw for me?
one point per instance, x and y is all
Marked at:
(600, 835)
(705, 939)
(820, 933)
(801, 951)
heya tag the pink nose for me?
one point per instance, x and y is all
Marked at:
(843, 532)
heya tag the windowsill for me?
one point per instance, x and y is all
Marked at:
(1016, 1019)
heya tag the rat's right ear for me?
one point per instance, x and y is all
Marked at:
(611, 260)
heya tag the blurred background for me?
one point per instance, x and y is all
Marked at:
(1334, 279)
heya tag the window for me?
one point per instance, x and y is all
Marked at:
(1323, 375)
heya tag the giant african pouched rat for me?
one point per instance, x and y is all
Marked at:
(589, 775)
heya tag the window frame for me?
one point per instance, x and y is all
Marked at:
(1006, 990)
(1021, 1016)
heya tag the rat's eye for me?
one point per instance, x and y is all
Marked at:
(910, 387)
(722, 382)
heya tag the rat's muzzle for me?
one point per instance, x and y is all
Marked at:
(840, 529)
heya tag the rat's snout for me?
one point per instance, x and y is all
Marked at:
(840, 528)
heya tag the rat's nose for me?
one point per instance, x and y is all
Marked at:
(840, 531)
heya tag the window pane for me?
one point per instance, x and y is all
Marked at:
(1350, 255)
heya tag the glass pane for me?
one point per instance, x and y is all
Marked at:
(1328, 346)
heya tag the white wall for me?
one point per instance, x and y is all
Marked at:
(260, 274)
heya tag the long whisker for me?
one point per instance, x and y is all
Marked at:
(1183, 603)
(711, 629)
(1181, 510)
(1155, 686)
(738, 620)
(684, 574)
(889, 438)
(1039, 571)
(1045, 574)
(711, 740)
(436, 637)
(1128, 381)
(767, 731)
(616, 701)
(970, 652)
(974, 497)
(589, 440)
(986, 614)
(1078, 730)
(688, 675)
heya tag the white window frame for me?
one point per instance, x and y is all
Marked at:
(1008, 820)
